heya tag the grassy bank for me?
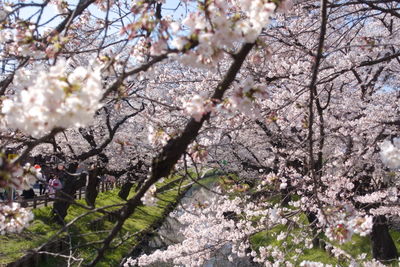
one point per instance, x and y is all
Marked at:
(86, 234)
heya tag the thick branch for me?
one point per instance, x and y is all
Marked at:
(77, 12)
(164, 162)
(313, 82)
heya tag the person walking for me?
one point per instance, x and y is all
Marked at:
(54, 185)
(42, 184)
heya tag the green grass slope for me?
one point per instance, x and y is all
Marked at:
(86, 234)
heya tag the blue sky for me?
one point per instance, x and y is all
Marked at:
(51, 11)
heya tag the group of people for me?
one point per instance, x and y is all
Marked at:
(12, 194)
(51, 185)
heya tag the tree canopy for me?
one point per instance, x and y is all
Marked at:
(296, 103)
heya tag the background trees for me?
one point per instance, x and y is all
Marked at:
(294, 98)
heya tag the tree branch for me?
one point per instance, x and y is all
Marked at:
(164, 162)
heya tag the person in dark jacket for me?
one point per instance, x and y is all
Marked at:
(28, 194)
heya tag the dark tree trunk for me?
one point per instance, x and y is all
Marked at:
(66, 194)
(313, 220)
(91, 191)
(125, 189)
(132, 178)
(383, 247)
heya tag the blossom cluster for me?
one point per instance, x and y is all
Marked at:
(245, 95)
(18, 39)
(390, 153)
(220, 27)
(61, 6)
(384, 196)
(53, 98)
(149, 197)
(157, 136)
(4, 10)
(198, 152)
(245, 98)
(17, 177)
(342, 223)
(371, 263)
(13, 218)
(198, 106)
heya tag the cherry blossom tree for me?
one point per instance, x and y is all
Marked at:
(295, 100)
